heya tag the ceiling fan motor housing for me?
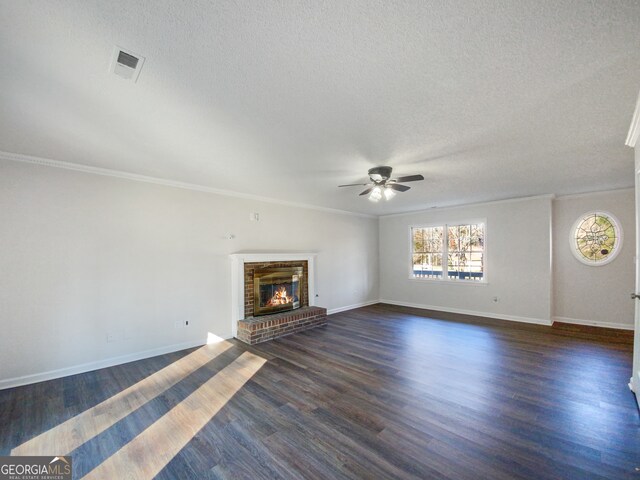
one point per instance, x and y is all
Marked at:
(384, 172)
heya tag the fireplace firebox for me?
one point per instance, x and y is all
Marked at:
(276, 289)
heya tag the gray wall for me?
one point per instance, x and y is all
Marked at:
(594, 295)
(85, 256)
(518, 262)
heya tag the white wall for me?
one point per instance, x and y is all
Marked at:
(586, 294)
(83, 256)
(518, 261)
(635, 380)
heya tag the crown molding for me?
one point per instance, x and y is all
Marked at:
(634, 129)
(78, 167)
(549, 196)
(572, 196)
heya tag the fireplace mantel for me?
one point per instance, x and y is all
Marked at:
(237, 278)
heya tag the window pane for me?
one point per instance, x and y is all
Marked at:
(427, 239)
(417, 265)
(476, 265)
(464, 237)
(477, 237)
(427, 265)
(466, 246)
(457, 266)
(427, 244)
(435, 264)
(453, 235)
(453, 264)
(438, 239)
(418, 241)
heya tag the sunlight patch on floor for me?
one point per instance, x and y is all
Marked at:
(69, 435)
(148, 453)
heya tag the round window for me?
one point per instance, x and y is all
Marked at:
(596, 238)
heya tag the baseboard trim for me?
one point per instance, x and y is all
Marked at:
(497, 316)
(593, 323)
(351, 307)
(88, 367)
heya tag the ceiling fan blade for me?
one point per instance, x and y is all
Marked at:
(409, 178)
(395, 186)
(355, 185)
(366, 191)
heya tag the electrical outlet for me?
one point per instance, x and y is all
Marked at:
(495, 299)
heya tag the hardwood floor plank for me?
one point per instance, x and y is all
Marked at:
(152, 449)
(380, 392)
(91, 422)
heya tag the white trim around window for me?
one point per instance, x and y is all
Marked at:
(445, 280)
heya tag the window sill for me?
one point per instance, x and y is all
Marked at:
(466, 283)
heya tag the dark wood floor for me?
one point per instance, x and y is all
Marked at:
(381, 392)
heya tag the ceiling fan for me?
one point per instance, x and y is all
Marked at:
(382, 184)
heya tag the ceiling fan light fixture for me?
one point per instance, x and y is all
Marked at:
(376, 194)
(389, 193)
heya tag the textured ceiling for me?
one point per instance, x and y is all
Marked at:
(288, 99)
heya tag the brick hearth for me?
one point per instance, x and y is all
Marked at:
(254, 330)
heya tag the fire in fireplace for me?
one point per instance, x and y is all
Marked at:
(276, 289)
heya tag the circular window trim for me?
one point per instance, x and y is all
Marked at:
(616, 250)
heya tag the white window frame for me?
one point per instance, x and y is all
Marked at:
(445, 280)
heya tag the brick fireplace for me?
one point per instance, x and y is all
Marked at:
(302, 312)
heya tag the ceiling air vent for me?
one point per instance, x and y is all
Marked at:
(126, 64)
